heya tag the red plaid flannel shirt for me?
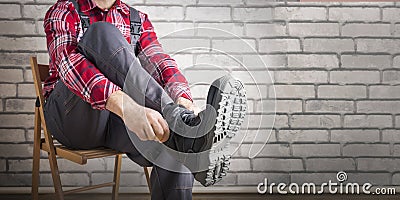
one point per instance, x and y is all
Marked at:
(63, 31)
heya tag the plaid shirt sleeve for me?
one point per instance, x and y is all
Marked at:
(78, 73)
(159, 64)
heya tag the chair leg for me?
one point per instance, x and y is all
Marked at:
(35, 170)
(147, 174)
(117, 173)
(56, 177)
(36, 156)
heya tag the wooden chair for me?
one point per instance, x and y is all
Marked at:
(40, 73)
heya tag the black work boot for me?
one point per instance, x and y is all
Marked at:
(228, 98)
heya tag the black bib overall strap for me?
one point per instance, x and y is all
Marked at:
(135, 22)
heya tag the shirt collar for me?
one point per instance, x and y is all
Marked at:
(87, 5)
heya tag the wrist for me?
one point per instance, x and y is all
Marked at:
(115, 103)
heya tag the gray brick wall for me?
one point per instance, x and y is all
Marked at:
(335, 68)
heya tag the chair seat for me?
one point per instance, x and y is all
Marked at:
(78, 156)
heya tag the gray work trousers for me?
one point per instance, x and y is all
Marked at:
(74, 123)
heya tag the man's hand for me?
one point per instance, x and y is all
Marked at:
(146, 123)
(188, 105)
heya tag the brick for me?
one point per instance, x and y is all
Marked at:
(314, 121)
(397, 121)
(378, 107)
(173, 29)
(309, 150)
(40, 28)
(253, 77)
(14, 59)
(10, 11)
(16, 150)
(313, 29)
(35, 11)
(3, 165)
(279, 45)
(396, 149)
(354, 14)
(373, 178)
(354, 76)
(253, 136)
(342, 91)
(256, 91)
(252, 179)
(16, 120)
(12, 135)
(220, 29)
(366, 150)
(390, 135)
(127, 179)
(184, 2)
(17, 28)
(203, 76)
(264, 61)
(355, 135)
(276, 164)
(26, 43)
(396, 61)
(378, 164)
(316, 178)
(292, 91)
(26, 165)
(8, 90)
(334, 106)
(330, 164)
(384, 92)
(354, 30)
(299, 13)
(209, 61)
(92, 165)
(234, 45)
(264, 30)
(378, 45)
(252, 14)
(391, 14)
(26, 90)
(366, 61)
(15, 179)
(294, 135)
(396, 179)
(301, 76)
(20, 105)
(391, 76)
(371, 121)
(313, 61)
(186, 44)
(208, 13)
(260, 2)
(240, 165)
(74, 179)
(158, 12)
(11, 75)
(279, 106)
(328, 45)
(268, 150)
(397, 30)
(220, 2)
(265, 121)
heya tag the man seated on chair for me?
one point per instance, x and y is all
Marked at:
(94, 46)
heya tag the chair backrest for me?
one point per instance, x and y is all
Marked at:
(40, 72)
